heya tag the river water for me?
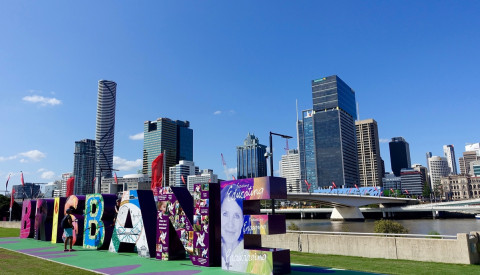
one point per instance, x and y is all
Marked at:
(417, 226)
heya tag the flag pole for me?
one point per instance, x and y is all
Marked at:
(164, 160)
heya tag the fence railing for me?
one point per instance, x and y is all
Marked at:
(425, 236)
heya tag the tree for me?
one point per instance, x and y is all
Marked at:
(293, 227)
(5, 208)
(388, 226)
(426, 190)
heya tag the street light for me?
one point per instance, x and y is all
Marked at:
(270, 154)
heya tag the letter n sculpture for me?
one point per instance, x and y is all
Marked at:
(242, 226)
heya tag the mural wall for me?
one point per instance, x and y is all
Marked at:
(99, 214)
(43, 219)
(58, 210)
(27, 223)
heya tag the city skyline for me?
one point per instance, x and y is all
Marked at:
(403, 63)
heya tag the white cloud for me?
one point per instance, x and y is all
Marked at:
(34, 155)
(217, 112)
(138, 136)
(48, 175)
(384, 140)
(7, 158)
(232, 171)
(44, 101)
(41, 170)
(126, 165)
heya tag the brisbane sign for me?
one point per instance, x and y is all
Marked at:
(217, 225)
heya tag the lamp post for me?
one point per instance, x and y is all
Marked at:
(270, 154)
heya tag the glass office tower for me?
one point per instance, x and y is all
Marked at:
(334, 132)
(84, 167)
(399, 155)
(251, 161)
(306, 144)
(172, 137)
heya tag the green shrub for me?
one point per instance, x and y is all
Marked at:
(434, 234)
(388, 226)
(292, 226)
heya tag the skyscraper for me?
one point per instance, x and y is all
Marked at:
(184, 168)
(438, 169)
(468, 157)
(334, 115)
(175, 138)
(84, 167)
(290, 170)
(104, 138)
(449, 154)
(306, 150)
(399, 155)
(369, 161)
(251, 162)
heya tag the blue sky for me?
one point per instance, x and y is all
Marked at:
(230, 68)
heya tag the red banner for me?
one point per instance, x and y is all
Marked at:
(157, 172)
(70, 183)
(11, 198)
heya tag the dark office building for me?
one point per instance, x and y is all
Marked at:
(84, 167)
(174, 137)
(29, 191)
(251, 161)
(399, 155)
(334, 132)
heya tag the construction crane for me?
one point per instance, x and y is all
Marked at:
(225, 169)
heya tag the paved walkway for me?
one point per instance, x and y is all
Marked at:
(105, 262)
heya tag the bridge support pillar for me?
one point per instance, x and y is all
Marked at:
(351, 213)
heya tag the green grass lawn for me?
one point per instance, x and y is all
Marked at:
(9, 232)
(381, 265)
(9, 263)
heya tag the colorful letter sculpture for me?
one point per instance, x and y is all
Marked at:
(78, 204)
(135, 225)
(43, 220)
(28, 219)
(241, 240)
(58, 210)
(99, 213)
(177, 236)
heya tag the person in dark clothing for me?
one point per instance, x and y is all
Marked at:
(67, 224)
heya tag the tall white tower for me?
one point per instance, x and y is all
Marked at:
(107, 95)
(290, 170)
(449, 154)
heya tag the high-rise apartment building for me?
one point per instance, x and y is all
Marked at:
(104, 137)
(399, 155)
(172, 137)
(369, 161)
(306, 150)
(449, 154)
(438, 169)
(468, 157)
(290, 170)
(251, 162)
(84, 167)
(183, 169)
(334, 136)
(423, 171)
(65, 177)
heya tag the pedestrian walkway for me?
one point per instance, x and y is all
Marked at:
(105, 262)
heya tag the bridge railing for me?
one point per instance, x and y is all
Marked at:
(425, 236)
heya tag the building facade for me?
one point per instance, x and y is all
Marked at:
(84, 167)
(460, 187)
(412, 183)
(368, 148)
(468, 157)
(423, 171)
(251, 161)
(125, 183)
(28, 191)
(105, 132)
(449, 154)
(63, 182)
(390, 181)
(438, 169)
(205, 176)
(172, 137)
(334, 136)
(290, 170)
(306, 151)
(399, 155)
(183, 169)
